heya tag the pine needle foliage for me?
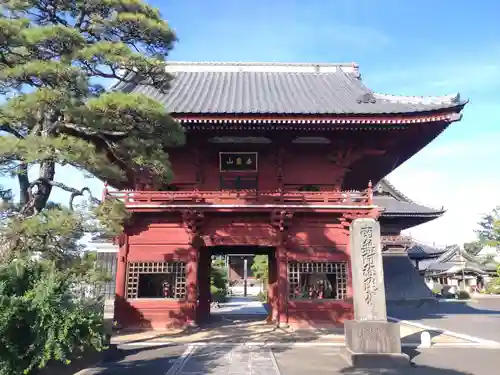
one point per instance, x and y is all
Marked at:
(56, 59)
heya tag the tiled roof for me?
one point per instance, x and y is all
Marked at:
(393, 207)
(418, 251)
(293, 89)
(456, 258)
(396, 203)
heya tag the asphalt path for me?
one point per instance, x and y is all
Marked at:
(478, 318)
(140, 361)
(235, 360)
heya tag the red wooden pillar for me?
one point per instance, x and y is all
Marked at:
(282, 285)
(191, 285)
(121, 267)
(349, 292)
(272, 295)
(204, 295)
(121, 278)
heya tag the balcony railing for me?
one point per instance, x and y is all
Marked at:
(249, 197)
(397, 240)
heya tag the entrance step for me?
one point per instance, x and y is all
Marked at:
(261, 332)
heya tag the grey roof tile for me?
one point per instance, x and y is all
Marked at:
(456, 257)
(419, 251)
(281, 89)
(393, 207)
(395, 203)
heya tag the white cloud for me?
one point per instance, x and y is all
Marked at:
(461, 176)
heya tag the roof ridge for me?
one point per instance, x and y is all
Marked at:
(448, 255)
(278, 67)
(420, 99)
(422, 243)
(404, 197)
(396, 191)
(256, 63)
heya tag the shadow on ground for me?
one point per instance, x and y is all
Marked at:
(420, 370)
(414, 369)
(237, 329)
(289, 361)
(439, 310)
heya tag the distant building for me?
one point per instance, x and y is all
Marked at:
(456, 267)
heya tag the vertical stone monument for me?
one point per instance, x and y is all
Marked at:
(371, 341)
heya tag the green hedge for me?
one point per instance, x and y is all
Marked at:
(218, 283)
(218, 295)
(40, 322)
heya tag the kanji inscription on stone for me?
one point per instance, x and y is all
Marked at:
(367, 270)
(368, 260)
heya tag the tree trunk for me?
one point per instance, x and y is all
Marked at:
(47, 173)
(24, 184)
(38, 199)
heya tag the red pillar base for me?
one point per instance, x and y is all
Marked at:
(204, 296)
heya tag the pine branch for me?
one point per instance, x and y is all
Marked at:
(55, 57)
(74, 192)
(11, 130)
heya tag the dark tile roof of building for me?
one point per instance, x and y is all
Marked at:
(456, 259)
(419, 251)
(396, 203)
(275, 88)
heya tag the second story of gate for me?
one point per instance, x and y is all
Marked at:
(296, 133)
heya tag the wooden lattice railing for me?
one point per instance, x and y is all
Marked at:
(244, 197)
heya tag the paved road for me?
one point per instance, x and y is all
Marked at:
(479, 318)
(238, 360)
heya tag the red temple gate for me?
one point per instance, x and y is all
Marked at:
(290, 179)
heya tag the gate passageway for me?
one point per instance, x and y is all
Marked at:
(241, 306)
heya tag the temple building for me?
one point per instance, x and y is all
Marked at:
(279, 160)
(456, 267)
(423, 255)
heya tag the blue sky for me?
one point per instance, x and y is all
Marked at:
(403, 47)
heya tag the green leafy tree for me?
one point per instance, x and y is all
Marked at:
(473, 248)
(218, 280)
(40, 321)
(56, 59)
(260, 268)
(489, 228)
(489, 235)
(56, 56)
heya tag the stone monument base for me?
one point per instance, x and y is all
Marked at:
(374, 344)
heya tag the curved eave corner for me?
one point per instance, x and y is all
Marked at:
(433, 215)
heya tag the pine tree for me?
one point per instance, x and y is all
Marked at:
(489, 229)
(56, 58)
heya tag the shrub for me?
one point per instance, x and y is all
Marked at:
(463, 294)
(218, 295)
(260, 268)
(263, 297)
(493, 289)
(218, 277)
(40, 321)
(436, 290)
